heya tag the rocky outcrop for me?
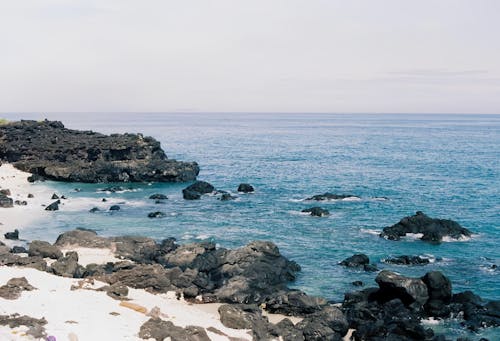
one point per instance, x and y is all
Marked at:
(49, 150)
(44, 250)
(36, 329)
(432, 229)
(316, 211)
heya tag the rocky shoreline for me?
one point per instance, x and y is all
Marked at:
(48, 150)
(252, 280)
(248, 282)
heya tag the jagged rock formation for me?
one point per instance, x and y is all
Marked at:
(49, 150)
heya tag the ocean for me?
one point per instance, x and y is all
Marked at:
(444, 165)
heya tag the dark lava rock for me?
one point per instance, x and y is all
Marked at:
(439, 289)
(5, 201)
(190, 195)
(357, 283)
(12, 235)
(54, 196)
(194, 191)
(30, 196)
(158, 197)
(135, 248)
(56, 153)
(44, 250)
(112, 189)
(245, 188)
(18, 249)
(316, 211)
(157, 214)
(433, 230)
(408, 290)
(68, 266)
(359, 261)
(94, 210)
(407, 260)
(294, 303)
(115, 208)
(83, 238)
(14, 287)
(54, 206)
(159, 330)
(21, 202)
(330, 196)
(327, 324)
(226, 197)
(118, 291)
(35, 326)
(5, 192)
(246, 316)
(153, 278)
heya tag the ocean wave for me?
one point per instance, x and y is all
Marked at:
(371, 231)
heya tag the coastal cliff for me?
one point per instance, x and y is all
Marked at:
(50, 151)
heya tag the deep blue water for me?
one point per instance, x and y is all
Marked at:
(445, 165)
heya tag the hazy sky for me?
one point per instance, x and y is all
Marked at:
(250, 56)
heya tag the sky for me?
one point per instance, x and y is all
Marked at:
(336, 56)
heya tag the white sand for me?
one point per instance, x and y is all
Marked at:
(92, 255)
(86, 313)
(18, 217)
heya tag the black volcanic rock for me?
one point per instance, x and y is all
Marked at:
(12, 235)
(433, 230)
(5, 201)
(359, 261)
(330, 196)
(49, 150)
(157, 214)
(407, 260)
(158, 197)
(245, 188)
(196, 190)
(54, 206)
(316, 211)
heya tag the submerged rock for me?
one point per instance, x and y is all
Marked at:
(54, 206)
(432, 230)
(316, 211)
(56, 153)
(359, 261)
(157, 214)
(158, 197)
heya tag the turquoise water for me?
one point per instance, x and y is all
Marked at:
(444, 165)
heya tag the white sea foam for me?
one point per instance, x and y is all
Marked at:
(372, 232)
(202, 236)
(414, 236)
(298, 213)
(431, 321)
(353, 198)
(447, 239)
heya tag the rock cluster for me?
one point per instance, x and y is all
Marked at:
(49, 150)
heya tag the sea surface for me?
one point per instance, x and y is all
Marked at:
(447, 166)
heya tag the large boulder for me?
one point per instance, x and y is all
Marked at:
(56, 153)
(439, 289)
(327, 324)
(82, 238)
(153, 278)
(67, 266)
(294, 303)
(411, 291)
(359, 261)
(44, 250)
(432, 229)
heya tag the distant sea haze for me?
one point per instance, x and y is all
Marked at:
(444, 165)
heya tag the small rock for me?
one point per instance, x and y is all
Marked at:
(54, 206)
(157, 214)
(114, 208)
(12, 235)
(94, 209)
(158, 197)
(316, 211)
(245, 188)
(30, 196)
(54, 196)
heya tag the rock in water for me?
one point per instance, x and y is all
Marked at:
(12, 235)
(317, 211)
(158, 197)
(54, 206)
(432, 230)
(56, 153)
(194, 191)
(157, 214)
(245, 188)
(330, 196)
(409, 290)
